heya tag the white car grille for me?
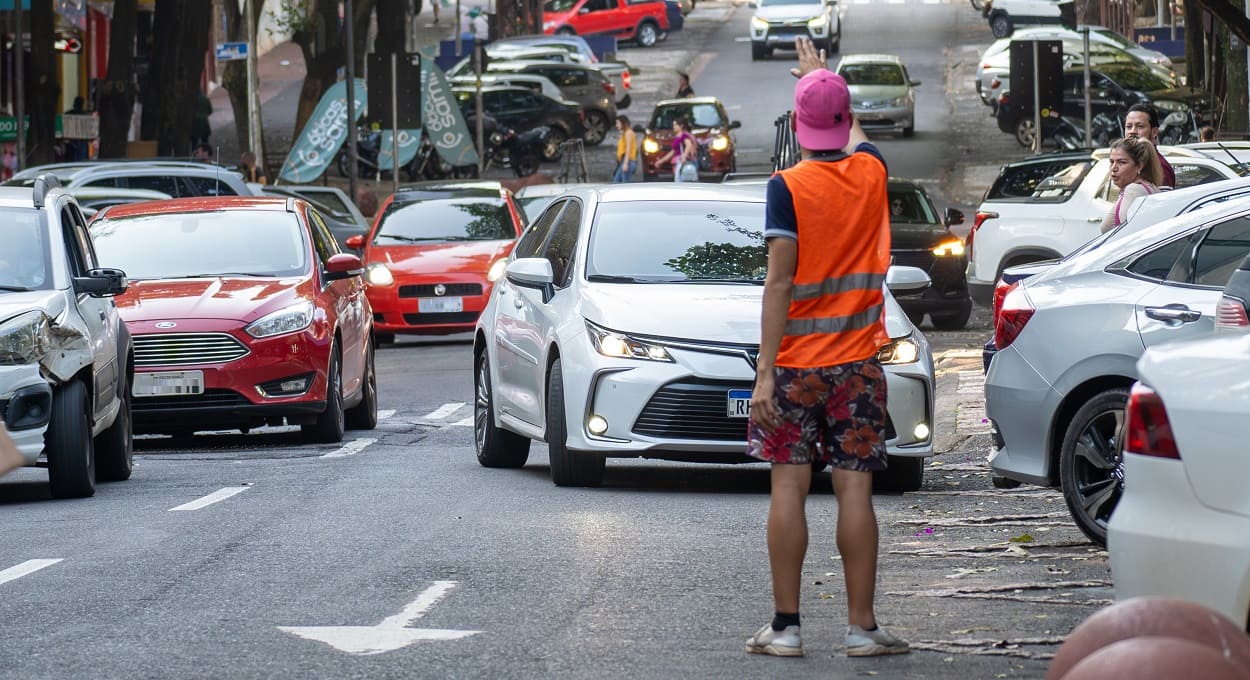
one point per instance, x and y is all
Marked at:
(182, 349)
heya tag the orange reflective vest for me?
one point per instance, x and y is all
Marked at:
(837, 307)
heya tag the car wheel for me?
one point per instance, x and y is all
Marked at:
(647, 35)
(1000, 25)
(904, 473)
(496, 447)
(329, 427)
(597, 125)
(68, 443)
(916, 318)
(954, 321)
(568, 468)
(1025, 132)
(525, 164)
(909, 132)
(364, 416)
(553, 150)
(380, 339)
(1091, 468)
(566, 30)
(757, 52)
(114, 448)
(835, 43)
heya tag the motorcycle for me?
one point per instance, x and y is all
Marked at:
(368, 143)
(1180, 127)
(507, 148)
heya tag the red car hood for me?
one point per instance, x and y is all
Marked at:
(463, 257)
(237, 299)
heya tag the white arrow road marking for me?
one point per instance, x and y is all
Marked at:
(463, 422)
(392, 633)
(386, 413)
(25, 568)
(214, 497)
(443, 411)
(350, 448)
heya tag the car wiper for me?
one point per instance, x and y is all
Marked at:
(616, 278)
(754, 282)
(15, 289)
(423, 239)
(217, 275)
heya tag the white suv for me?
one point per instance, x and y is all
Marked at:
(776, 23)
(65, 354)
(1045, 207)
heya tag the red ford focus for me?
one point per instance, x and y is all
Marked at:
(244, 313)
(434, 254)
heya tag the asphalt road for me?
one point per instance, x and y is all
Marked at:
(247, 556)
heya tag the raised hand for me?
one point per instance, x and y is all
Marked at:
(810, 58)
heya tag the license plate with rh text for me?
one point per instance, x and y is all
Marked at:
(739, 404)
(168, 383)
(440, 305)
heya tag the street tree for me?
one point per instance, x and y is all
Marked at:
(42, 87)
(314, 25)
(234, 77)
(117, 92)
(180, 31)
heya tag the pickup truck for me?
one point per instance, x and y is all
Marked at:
(645, 22)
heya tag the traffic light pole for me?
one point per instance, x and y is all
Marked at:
(351, 98)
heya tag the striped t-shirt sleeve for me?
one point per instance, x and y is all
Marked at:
(779, 219)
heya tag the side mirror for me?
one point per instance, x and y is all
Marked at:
(954, 216)
(343, 266)
(735, 124)
(101, 283)
(356, 242)
(915, 83)
(532, 272)
(906, 280)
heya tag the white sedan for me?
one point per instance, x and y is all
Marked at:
(1182, 528)
(627, 325)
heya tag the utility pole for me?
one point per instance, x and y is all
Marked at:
(1089, 139)
(1037, 104)
(20, 99)
(254, 141)
(351, 97)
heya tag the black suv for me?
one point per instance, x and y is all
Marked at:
(921, 237)
(522, 109)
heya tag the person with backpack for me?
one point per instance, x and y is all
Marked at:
(685, 153)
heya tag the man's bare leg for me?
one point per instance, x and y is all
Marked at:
(857, 543)
(787, 533)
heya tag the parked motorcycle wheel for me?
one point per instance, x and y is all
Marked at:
(525, 164)
(553, 150)
(464, 172)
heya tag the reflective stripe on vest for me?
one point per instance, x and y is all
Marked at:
(837, 284)
(834, 324)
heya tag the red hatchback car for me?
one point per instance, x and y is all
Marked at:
(434, 253)
(244, 313)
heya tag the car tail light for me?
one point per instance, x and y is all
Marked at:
(981, 216)
(1015, 312)
(581, 114)
(626, 79)
(1003, 98)
(609, 87)
(1000, 291)
(1148, 432)
(996, 83)
(1230, 314)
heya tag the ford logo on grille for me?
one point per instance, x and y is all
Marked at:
(166, 324)
(440, 289)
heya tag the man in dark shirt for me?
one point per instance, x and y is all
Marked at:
(1143, 121)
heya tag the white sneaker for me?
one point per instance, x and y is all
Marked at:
(860, 642)
(776, 642)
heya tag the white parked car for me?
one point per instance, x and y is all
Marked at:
(1182, 527)
(627, 325)
(776, 23)
(1068, 340)
(1067, 197)
(1005, 15)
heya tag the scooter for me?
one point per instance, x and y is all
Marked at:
(507, 148)
(1179, 127)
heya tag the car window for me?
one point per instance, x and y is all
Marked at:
(1191, 174)
(323, 240)
(1059, 187)
(568, 77)
(560, 246)
(909, 206)
(1225, 246)
(163, 183)
(599, 5)
(206, 186)
(1022, 180)
(81, 257)
(1167, 262)
(532, 239)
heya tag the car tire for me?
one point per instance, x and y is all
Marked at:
(909, 132)
(330, 425)
(68, 444)
(568, 468)
(566, 30)
(364, 416)
(647, 34)
(1090, 463)
(757, 52)
(916, 318)
(954, 321)
(496, 447)
(835, 43)
(1024, 132)
(1000, 25)
(114, 448)
(380, 339)
(904, 473)
(553, 150)
(597, 126)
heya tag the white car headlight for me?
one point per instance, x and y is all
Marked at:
(379, 275)
(650, 145)
(496, 270)
(548, 25)
(297, 317)
(818, 24)
(720, 143)
(899, 351)
(759, 24)
(952, 248)
(621, 346)
(901, 101)
(24, 339)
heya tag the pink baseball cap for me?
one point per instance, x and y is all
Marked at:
(822, 111)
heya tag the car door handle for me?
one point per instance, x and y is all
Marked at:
(101, 313)
(1177, 313)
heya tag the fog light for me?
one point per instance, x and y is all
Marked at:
(597, 425)
(922, 432)
(286, 387)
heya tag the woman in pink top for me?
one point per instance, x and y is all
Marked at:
(684, 154)
(1136, 171)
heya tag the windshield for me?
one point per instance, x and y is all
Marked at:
(559, 5)
(699, 115)
(1135, 78)
(24, 258)
(446, 219)
(872, 74)
(201, 244)
(1115, 38)
(909, 205)
(653, 241)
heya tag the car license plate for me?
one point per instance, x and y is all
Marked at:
(440, 304)
(739, 404)
(165, 383)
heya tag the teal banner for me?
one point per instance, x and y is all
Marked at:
(409, 142)
(323, 134)
(441, 116)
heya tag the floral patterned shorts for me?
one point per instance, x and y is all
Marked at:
(834, 414)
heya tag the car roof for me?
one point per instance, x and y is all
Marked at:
(448, 189)
(688, 191)
(687, 101)
(174, 169)
(200, 204)
(492, 87)
(517, 64)
(17, 197)
(870, 59)
(552, 189)
(115, 192)
(1050, 158)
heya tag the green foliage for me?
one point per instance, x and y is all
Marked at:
(295, 16)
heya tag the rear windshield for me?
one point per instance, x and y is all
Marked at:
(1042, 181)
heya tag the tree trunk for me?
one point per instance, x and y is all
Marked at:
(117, 93)
(1237, 108)
(1195, 56)
(392, 23)
(322, 46)
(181, 53)
(234, 76)
(42, 88)
(360, 33)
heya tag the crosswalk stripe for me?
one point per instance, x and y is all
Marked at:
(26, 568)
(463, 422)
(386, 413)
(350, 448)
(214, 497)
(444, 411)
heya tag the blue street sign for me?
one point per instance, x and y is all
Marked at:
(232, 51)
